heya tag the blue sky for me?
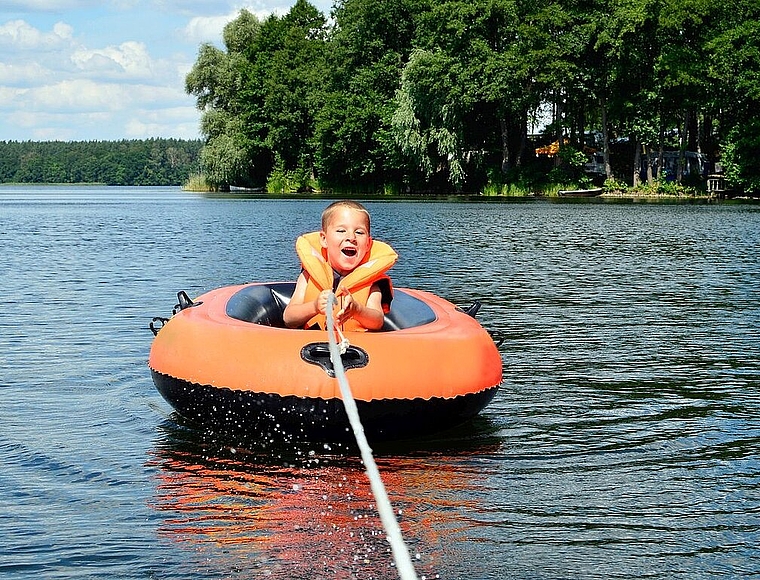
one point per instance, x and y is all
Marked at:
(81, 70)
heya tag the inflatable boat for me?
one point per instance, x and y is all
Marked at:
(226, 360)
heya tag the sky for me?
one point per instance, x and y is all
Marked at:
(104, 70)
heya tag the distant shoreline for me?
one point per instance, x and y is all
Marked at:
(422, 196)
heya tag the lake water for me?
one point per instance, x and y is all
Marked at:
(624, 442)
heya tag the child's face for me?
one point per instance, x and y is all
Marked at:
(347, 239)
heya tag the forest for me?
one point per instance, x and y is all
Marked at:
(488, 96)
(128, 162)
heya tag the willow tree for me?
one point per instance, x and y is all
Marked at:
(259, 95)
(461, 90)
(428, 121)
(218, 79)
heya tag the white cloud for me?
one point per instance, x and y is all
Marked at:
(62, 30)
(192, 6)
(23, 74)
(20, 35)
(206, 28)
(210, 28)
(73, 80)
(88, 95)
(179, 122)
(83, 109)
(130, 59)
(77, 95)
(48, 5)
(35, 57)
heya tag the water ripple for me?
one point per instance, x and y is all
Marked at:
(624, 442)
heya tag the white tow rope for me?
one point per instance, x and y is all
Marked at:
(400, 552)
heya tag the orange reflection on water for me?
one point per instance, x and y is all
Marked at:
(311, 515)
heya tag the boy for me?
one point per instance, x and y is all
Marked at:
(342, 258)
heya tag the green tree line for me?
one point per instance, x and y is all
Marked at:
(128, 162)
(411, 95)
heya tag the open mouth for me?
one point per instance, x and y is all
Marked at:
(349, 251)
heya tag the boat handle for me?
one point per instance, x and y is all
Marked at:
(472, 309)
(184, 301)
(154, 327)
(318, 353)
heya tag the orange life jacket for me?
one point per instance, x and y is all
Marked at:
(359, 282)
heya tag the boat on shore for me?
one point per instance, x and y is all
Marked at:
(225, 360)
(595, 192)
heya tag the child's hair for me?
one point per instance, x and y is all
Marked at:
(347, 203)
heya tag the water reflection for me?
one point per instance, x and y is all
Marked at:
(307, 510)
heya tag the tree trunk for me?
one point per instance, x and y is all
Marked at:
(558, 111)
(708, 147)
(523, 128)
(606, 140)
(636, 163)
(505, 161)
(514, 140)
(661, 156)
(682, 146)
(692, 131)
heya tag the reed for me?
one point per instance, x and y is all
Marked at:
(197, 182)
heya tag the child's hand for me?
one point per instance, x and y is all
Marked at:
(369, 316)
(349, 309)
(320, 302)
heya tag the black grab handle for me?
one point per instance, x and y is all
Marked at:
(318, 353)
(472, 309)
(183, 301)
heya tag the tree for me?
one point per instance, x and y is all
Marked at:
(735, 68)
(427, 123)
(462, 94)
(371, 41)
(437, 95)
(218, 79)
(133, 162)
(260, 96)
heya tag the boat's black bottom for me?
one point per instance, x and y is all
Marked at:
(276, 417)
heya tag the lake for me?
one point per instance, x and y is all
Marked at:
(623, 443)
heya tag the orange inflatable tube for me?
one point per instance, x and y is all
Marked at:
(228, 350)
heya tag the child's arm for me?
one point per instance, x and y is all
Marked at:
(370, 316)
(297, 313)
